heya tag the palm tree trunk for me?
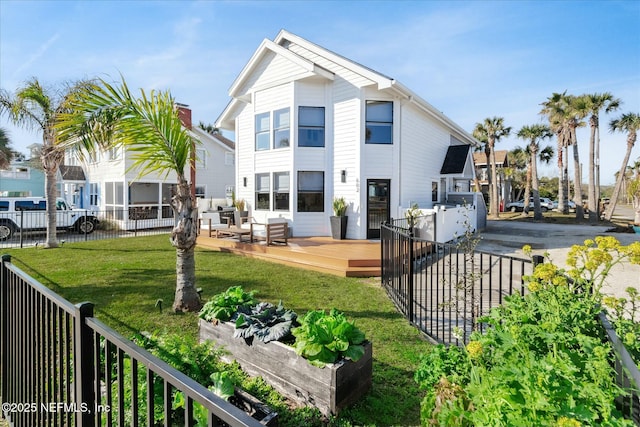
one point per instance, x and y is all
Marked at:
(51, 159)
(599, 206)
(183, 238)
(535, 186)
(561, 176)
(495, 204)
(527, 190)
(616, 189)
(592, 199)
(577, 185)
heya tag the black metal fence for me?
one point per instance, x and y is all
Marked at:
(443, 288)
(28, 228)
(63, 367)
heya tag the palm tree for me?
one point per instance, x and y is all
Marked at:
(577, 110)
(209, 128)
(36, 107)
(491, 130)
(104, 115)
(534, 134)
(555, 110)
(6, 153)
(629, 123)
(597, 102)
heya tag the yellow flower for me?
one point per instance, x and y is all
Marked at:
(534, 286)
(527, 249)
(607, 242)
(568, 422)
(474, 348)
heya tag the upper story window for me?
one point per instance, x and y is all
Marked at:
(379, 122)
(201, 158)
(310, 126)
(229, 159)
(281, 128)
(114, 153)
(263, 131)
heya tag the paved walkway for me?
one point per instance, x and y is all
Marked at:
(508, 237)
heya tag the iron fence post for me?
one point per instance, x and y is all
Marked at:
(84, 369)
(4, 333)
(411, 270)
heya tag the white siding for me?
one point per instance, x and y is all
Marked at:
(424, 146)
(272, 70)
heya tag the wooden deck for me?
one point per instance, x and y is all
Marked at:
(346, 258)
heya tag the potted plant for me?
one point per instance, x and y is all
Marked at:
(339, 220)
(633, 191)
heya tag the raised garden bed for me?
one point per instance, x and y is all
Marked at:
(330, 389)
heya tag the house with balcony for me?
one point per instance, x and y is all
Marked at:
(311, 125)
(22, 177)
(483, 169)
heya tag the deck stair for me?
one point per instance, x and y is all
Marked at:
(346, 258)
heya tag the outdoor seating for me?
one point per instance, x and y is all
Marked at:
(275, 230)
(210, 221)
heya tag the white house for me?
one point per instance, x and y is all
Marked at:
(106, 183)
(311, 125)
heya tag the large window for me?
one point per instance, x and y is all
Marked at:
(379, 126)
(262, 191)
(281, 128)
(263, 131)
(281, 191)
(94, 192)
(311, 126)
(310, 191)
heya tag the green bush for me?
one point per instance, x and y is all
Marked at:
(542, 361)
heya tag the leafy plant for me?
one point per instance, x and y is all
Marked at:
(239, 204)
(412, 214)
(325, 338)
(339, 206)
(625, 316)
(222, 306)
(264, 321)
(223, 385)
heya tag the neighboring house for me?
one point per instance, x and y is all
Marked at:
(482, 173)
(106, 183)
(21, 179)
(311, 125)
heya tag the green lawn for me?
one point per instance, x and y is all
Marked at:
(125, 278)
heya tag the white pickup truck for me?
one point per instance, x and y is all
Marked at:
(30, 214)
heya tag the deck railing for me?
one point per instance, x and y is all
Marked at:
(63, 367)
(443, 288)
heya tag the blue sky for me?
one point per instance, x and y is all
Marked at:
(470, 59)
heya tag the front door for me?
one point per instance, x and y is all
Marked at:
(377, 205)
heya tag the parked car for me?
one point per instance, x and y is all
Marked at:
(545, 205)
(570, 203)
(30, 214)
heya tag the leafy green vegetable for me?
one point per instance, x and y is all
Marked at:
(264, 321)
(325, 338)
(223, 385)
(224, 305)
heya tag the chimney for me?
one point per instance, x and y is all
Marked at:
(184, 113)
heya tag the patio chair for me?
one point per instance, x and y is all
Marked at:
(276, 230)
(210, 221)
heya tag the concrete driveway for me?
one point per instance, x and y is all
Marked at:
(508, 237)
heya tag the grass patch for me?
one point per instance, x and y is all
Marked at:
(124, 278)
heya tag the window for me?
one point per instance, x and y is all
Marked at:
(310, 126)
(4, 206)
(93, 194)
(114, 153)
(281, 191)
(262, 191)
(434, 191)
(229, 159)
(200, 191)
(262, 131)
(310, 191)
(281, 128)
(201, 158)
(379, 126)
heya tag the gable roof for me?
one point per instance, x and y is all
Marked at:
(217, 138)
(281, 47)
(502, 158)
(455, 159)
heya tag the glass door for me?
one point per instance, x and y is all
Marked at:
(377, 205)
